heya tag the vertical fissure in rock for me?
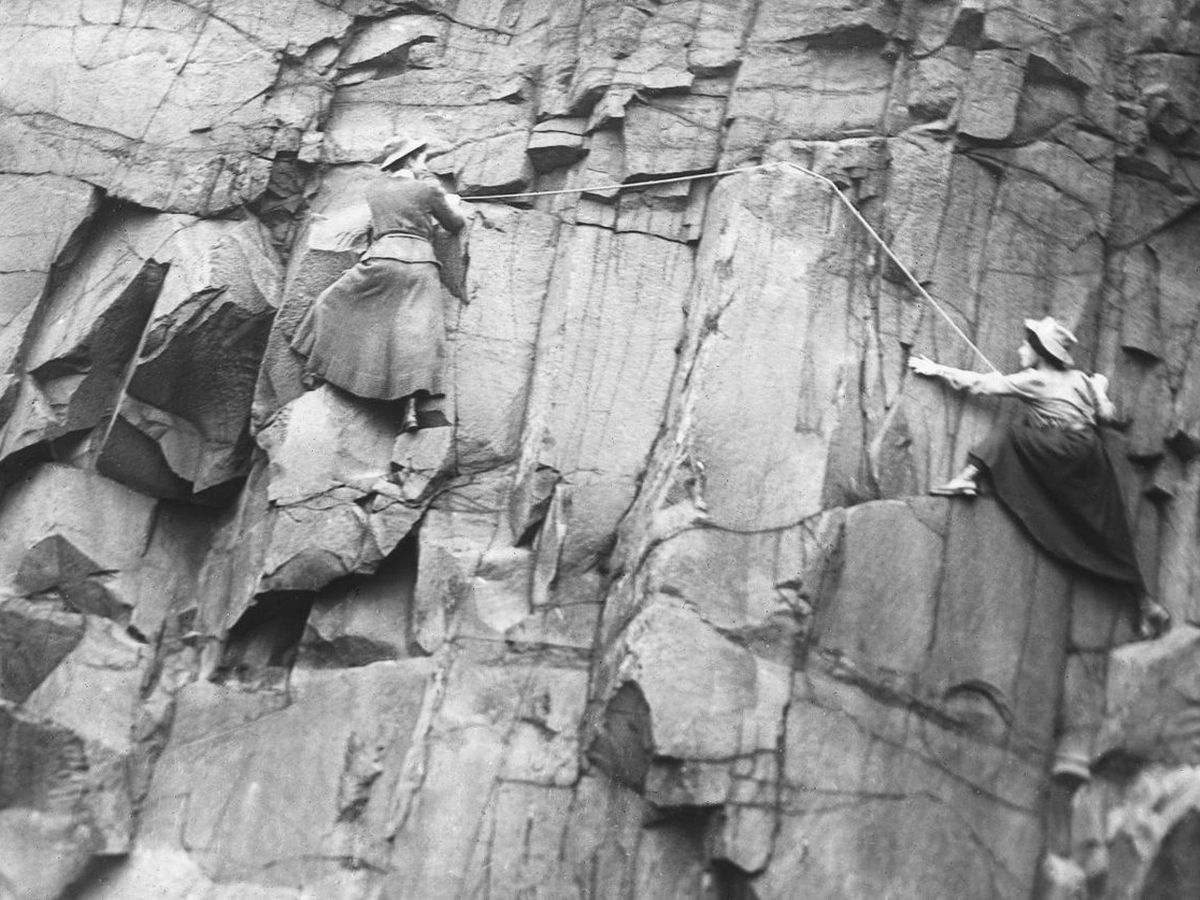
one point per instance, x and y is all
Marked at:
(284, 203)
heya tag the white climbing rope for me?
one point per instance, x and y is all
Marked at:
(894, 258)
(720, 173)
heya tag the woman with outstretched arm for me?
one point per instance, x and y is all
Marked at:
(1050, 469)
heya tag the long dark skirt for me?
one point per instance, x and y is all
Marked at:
(378, 331)
(1061, 485)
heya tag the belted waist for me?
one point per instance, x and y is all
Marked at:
(405, 233)
(403, 246)
(1056, 424)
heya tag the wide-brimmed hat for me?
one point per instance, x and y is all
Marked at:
(1054, 338)
(395, 150)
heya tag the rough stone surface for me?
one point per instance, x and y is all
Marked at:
(30, 250)
(664, 611)
(168, 105)
(147, 356)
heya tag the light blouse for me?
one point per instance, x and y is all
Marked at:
(1056, 398)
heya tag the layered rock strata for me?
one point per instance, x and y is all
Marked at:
(664, 612)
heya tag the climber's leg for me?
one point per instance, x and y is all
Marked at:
(408, 414)
(1153, 618)
(961, 485)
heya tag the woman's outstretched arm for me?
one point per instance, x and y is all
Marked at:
(994, 384)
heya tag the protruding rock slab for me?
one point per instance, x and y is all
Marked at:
(152, 343)
(31, 245)
(192, 384)
(75, 540)
(674, 671)
(34, 638)
(364, 619)
(332, 511)
(1150, 712)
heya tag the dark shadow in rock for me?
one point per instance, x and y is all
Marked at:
(624, 744)
(96, 875)
(42, 765)
(218, 496)
(854, 37)
(283, 204)
(56, 569)
(1048, 98)
(1183, 445)
(261, 648)
(16, 465)
(134, 459)
(85, 380)
(363, 619)
(1175, 871)
(731, 882)
(195, 380)
(968, 29)
(684, 833)
(34, 639)
(1118, 766)
(557, 143)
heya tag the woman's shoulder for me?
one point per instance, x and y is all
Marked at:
(1067, 380)
(1076, 376)
(1030, 378)
(1046, 381)
(402, 187)
(1053, 374)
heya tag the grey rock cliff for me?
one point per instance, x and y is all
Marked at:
(666, 612)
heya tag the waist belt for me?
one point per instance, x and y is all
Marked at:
(405, 233)
(1050, 425)
(403, 246)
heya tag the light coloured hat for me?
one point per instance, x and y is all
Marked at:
(1054, 338)
(395, 150)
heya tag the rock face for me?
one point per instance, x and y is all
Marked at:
(664, 611)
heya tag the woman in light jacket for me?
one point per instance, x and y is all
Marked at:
(1050, 469)
(378, 331)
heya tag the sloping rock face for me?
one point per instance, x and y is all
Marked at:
(664, 612)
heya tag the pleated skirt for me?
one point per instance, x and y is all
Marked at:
(378, 331)
(1062, 487)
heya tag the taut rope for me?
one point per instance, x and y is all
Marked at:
(720, 173)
